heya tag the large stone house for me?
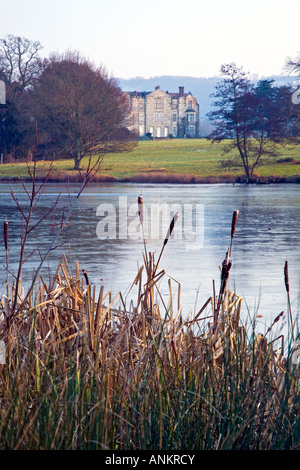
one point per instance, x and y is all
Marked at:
(163, 114)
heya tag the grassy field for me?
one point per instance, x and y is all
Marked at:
(174, 160)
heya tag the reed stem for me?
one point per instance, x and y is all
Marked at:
(287, 287)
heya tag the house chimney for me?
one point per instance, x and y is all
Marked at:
(181, 91)
(157, 87)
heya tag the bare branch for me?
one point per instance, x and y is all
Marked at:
(91, 172)
(45, 215)
(18, 205)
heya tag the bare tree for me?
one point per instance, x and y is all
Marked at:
(20, 64)
(252, 119)
(293, 65)
(81, 108)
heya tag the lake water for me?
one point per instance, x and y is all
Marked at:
(267, 235)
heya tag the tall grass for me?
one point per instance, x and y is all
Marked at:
(86, 371)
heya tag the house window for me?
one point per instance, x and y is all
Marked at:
(174, 131)
(159, 117)
(190, 104)
(158, 132)
(151, 130)
(159, 104)
(174, 117)
(190, 117)
(166, 131)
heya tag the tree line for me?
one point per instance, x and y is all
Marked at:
(255, 120)
(75, 107)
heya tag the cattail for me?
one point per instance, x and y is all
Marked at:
(168, 235)
(275, 321)
(226, 266)
(278, 317)
(5, 226)
(141, 215)
(86, 277)
(171, 228)
(286, 277)
(141, 208)
(287, 286)
(234, 221)
(233, 227)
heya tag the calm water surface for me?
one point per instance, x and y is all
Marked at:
(267, 235)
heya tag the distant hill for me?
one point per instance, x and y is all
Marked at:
(200, 87)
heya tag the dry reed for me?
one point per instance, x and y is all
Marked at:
(287, 287)
(85, 370)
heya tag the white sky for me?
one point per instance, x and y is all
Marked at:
(162, 37)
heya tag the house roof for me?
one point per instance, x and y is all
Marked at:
(142, 94)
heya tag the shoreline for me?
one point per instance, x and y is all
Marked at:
(161, 178)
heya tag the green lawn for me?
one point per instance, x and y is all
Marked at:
(190, 157)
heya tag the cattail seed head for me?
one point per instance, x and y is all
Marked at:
(226, 266)
(286, 277)
(141, 208)
(86, 276)
(278, 317)
(275, 321)
(5, 227)
(234, 222)
(171, 228)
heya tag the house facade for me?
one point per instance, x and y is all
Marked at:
(163, 114)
